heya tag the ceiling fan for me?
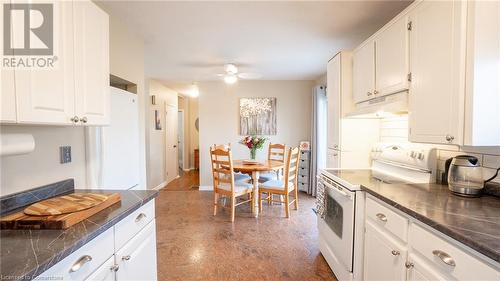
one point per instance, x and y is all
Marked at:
(232, 75)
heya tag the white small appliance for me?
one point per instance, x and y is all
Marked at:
(340, 203)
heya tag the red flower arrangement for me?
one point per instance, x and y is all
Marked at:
(253, 143)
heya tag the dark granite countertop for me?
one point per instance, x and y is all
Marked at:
(25, 254)
(474, 222)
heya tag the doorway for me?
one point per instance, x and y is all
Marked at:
(171, 143)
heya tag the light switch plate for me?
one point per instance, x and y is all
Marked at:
(65, 154)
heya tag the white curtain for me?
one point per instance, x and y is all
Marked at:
(318, 135)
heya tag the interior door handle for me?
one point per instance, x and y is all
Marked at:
(175, 146)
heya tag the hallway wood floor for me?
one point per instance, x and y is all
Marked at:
(192, 244)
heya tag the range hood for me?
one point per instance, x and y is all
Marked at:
(380, 107)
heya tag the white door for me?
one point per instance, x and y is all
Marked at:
(334, 102)
(7, 88)
(106, 272)
(363, 69)
(137, 259)
(391, 59)
(180, 141)
(384, 260)
(46, 96)
(419, 270)
(437, 62)
(91, 63)
(171, 139)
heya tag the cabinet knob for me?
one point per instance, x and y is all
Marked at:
(75, 119)
(381, 217)
(375, 92)
(409, 264)
(335, 146)
(83, 119)
(369, 94)
(126, 258)
(449, 138)
(335, 154)
(115, 268)
(395, 253)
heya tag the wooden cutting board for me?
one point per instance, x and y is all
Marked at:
(66, 204)
(21, 220)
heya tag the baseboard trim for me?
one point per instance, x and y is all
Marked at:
(160, 186)
(206, 188)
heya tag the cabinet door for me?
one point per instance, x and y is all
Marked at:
(334, 102)
(391, 59)
(46, 96)
(437, 61)
(92, 98)
(364, 73)
(419, 270)
(384, 258)
(333, 159)
(106, 272)
(137, 259)
(7, 87)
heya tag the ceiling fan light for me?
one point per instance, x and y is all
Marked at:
(231, 68)
(230, 79)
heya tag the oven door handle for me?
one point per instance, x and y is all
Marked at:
(336, 189)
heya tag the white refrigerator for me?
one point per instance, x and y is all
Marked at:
(113, 151)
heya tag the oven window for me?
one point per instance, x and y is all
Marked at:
(334, 215)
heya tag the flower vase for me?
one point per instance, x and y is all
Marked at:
(253, 153)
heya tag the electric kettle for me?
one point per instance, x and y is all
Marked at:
(465, 176)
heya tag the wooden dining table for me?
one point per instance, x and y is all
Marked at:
(255, 170)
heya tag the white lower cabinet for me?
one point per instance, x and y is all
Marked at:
(101, 259)
(137, 259)
(384, 258)
(427, 254)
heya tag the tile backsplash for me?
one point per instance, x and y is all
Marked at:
(395, 129)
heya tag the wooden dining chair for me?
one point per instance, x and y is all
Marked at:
(223, 180)
(286, 186)
(237, 176)
(275, 152)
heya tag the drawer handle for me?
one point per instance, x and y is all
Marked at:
(79, 263)
(409, 264)
(395, 253)
(447, 259)
(126, 258)
(140, 217)
(381, 217)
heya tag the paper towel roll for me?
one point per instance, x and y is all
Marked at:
(15, 144)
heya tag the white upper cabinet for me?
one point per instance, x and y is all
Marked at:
(363, 68)
(76, 89)
(482, 96)
(46, 96)
(437, 64)
(391, 58)
(7, 88)
(92, 99)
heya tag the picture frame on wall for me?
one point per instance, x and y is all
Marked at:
(157, 120)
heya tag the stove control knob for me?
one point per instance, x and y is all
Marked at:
(420, 156)
(413, 154)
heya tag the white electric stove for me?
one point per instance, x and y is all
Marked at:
(340, 204)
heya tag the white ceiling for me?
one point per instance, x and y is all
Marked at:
(190, 41)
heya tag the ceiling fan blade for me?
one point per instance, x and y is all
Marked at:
(249, 76)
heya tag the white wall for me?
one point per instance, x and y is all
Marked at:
(126, 54)
(194, 136)
(156, 162)
(219, 116)
(41, 167)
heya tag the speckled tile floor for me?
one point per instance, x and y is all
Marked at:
(195, 245)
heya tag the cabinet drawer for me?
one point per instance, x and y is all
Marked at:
(304, 155)
(303, 185)
(84, 261)
(304, 163)
(438, 250)
(303, 179)
(303, 171)
(387, 219)
(133, 223)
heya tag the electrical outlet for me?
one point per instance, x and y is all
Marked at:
(65, 154)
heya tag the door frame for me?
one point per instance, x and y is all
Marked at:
(169, 178)
(182, 140)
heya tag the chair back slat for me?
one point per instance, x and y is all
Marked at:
(276, 152)
(291, 168)
(222, 166)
